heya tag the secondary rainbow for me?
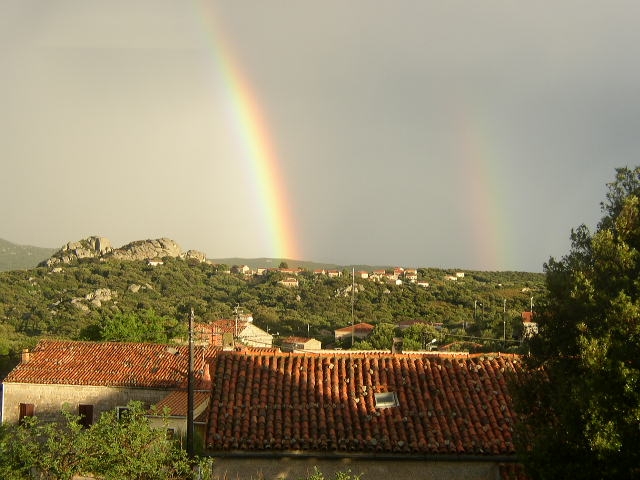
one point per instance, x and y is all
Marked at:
(252, 135)
(485, 191)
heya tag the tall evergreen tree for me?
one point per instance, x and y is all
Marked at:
(580, 398)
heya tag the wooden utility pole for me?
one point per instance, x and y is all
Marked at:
(190, 392)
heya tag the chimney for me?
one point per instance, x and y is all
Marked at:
(26, 355)
(396, 347)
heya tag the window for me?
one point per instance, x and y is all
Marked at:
(26, 410)
(386, 400)
(122, 412)
(86, 415)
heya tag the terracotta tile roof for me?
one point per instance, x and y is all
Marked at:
(527, 316)
(142, 365)
(319, 402)
(358, 327)
(176, 402)
(296, 340)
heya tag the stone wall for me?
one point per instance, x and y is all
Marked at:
(369, 469)
(49, 400)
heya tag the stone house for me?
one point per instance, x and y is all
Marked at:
(382, 415)
(290, 344)
(229, 332)
(89, 378)
(359, 331)
(289, 282)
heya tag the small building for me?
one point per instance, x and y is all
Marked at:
(362, 274)
(241, 269)
(291, 344)
(359, 331)
(289, 282)
(404, 324)
(226, 333)
(334, 273)
(530, 328)
(422, 283)
(411, 275)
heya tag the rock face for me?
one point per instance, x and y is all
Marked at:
(100, 248)
(148, 249)
(92, 247)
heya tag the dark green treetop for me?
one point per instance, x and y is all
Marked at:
(580, 398)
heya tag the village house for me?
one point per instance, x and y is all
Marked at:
(382, 415)
(359, 331)
(530, 327)
(334, 273)
(227, 333)
(289, 282)
(241, 269)
(362, 274)
(290, 344)
(89, 378)
(411, 275)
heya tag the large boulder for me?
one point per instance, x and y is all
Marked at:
(100, 248)
(148, 249)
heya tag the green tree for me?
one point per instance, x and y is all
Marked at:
(146, 326)
(112, 448)
(580, 397)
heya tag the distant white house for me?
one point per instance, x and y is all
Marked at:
(289, 282)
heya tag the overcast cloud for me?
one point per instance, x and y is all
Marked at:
(416, 133)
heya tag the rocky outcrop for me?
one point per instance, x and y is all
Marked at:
(195, 255)
(148, 249)
(92, 247)
(100, 248)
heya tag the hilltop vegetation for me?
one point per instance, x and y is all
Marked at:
(78, 300)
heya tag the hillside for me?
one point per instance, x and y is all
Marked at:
(20, 257)
(74, 300)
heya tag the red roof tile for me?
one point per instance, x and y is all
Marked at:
(358, 327)
(176, 402)
(326, 402)
(142, 365)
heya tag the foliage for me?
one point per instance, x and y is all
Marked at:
(145, 326)
(580, 397)
(341, 475)
(153, 303)
(112, 448)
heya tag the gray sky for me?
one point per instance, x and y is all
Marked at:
(415, 133)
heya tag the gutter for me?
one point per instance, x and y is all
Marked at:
(440, 457)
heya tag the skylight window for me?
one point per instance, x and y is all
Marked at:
(386, 400)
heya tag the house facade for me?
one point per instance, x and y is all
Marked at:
(401, 416)
(89, 378)
(290, 344)
(226, 332)
(359, 331)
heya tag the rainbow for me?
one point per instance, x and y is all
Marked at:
(485, 192)
(259, 152)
